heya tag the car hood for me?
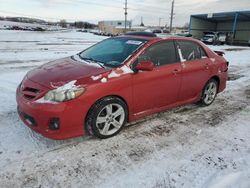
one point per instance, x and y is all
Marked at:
(65, 70)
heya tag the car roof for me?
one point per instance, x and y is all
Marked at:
(159, 38)
(139, 37)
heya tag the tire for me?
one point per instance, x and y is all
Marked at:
(107, 117)
(209, 92)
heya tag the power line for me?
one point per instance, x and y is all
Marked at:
(146, 5)
(145, 10)
(152, 9)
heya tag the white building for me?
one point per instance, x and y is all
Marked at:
(114, 26)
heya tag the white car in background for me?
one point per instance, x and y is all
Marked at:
(214, 38)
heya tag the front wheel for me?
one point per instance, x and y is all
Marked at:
(209, 92)
(107, 117)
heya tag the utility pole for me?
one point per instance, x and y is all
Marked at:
(126, 14)
(142, 24)
(171, 17)
(160, 22)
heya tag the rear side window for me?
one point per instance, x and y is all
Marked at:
(203, 53)
(162, 53)
(190, 50)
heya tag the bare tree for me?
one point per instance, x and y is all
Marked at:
(63, 23)
(186, 25)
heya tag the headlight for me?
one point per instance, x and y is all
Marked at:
(64, 93)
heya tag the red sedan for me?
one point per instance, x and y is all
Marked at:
(116, 81)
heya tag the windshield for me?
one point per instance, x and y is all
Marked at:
(112, 52)
(208, 36)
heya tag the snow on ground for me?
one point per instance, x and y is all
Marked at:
(189, 146)
(5, 24)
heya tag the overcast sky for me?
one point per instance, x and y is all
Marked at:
(94, 10)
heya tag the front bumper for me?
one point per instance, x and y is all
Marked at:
(37, 116)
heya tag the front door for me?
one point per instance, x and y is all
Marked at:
(159, 87)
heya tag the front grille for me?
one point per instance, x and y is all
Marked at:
(30, 93)
(29, 89)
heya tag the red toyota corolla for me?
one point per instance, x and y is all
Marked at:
(116, 81)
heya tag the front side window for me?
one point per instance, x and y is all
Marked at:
(162, 53)
(190, 51)
(112, 52)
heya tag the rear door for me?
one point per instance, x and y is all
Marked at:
(196, 68)
(160, 87)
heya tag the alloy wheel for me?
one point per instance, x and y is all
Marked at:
(210, 93)
(110, 119)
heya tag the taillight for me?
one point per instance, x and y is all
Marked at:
(220, 53)
(225, 66)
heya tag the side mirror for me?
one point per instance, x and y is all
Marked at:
(145, 66)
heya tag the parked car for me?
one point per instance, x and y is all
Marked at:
(184, 34)
(82, 30)
(116, 81)
(217, 38)
(157, 31)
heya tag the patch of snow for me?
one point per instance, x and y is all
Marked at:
(96, 77)
(226, 181)
(113, 74)
(184, 147)
(180, 55)
(104, 80)
(120, 71)
(212, 59)
(76, 57)
(126, 69)
(69, 85)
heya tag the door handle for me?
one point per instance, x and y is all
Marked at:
(175, 71)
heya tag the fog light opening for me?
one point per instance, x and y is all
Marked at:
(54, 124)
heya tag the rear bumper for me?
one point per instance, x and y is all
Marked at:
(37, 116)
(223, 81)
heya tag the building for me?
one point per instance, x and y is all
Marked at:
(236, 25)
(114, 27)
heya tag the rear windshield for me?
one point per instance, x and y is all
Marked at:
(112, 52)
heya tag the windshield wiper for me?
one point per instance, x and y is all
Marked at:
(93, 60)
(112, 64)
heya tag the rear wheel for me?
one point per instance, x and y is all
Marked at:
(107, 117)
(209, 92)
